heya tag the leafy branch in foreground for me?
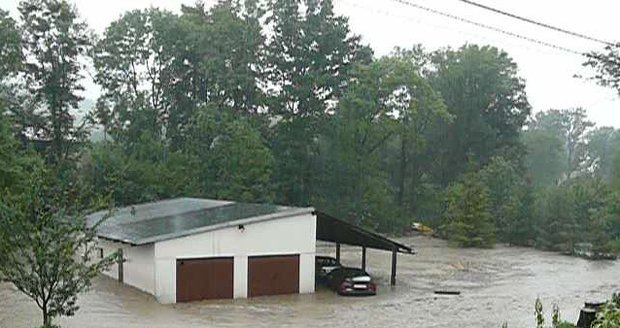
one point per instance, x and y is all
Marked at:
(609, 315)
(47, 253)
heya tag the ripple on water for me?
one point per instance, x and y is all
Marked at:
(497, 285)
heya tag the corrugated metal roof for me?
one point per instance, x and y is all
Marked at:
(173, 218)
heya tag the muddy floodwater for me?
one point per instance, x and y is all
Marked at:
(496, 285)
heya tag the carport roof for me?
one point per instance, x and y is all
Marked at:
(329, 228)
(179, 217)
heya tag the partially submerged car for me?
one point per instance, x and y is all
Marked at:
(323, 266)
(351, 281)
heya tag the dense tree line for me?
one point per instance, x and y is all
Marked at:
(282, 103)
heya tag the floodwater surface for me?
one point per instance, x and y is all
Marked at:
(497, 285)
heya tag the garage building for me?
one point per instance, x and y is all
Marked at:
(187, 249)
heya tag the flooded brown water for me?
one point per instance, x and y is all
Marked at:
(497, 285)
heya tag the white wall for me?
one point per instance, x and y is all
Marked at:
(138, 268)
(292, 235)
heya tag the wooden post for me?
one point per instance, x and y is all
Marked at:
(363, 258)
(120, 265)
(338, 252)
(393, 276)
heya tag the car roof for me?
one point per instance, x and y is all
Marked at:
(325, 257)
(351, 270)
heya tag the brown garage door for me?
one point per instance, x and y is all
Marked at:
(203, 279)
(273, 275)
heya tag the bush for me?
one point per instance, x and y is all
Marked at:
(609, 315)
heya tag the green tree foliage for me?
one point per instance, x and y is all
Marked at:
(418, 109)
(511, 201)
(310, 56)
(233, 161)
(131, 61)
(224, 158)
(11, 56)
(46, 253)
(467, 217)
(571, 126)
(16, 164)
(603, 145)
(487, 100)
(279, 102)
(607, 66)
(388, 101)
(308, 63)
(55, 43)
(229, 51)
(146, 173)
(609, 315)
(578, 211)
(545, 159)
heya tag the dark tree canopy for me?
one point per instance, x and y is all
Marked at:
(607, 66)
(487, 99)
(55, 43)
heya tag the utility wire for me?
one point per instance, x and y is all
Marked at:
(489, 27)
(531, 21)
(354, 3)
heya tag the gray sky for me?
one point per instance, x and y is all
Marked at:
(385, 24)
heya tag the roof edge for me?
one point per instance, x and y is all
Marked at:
(220, 226)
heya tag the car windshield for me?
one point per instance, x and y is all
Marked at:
(326, 261)
(351, 272)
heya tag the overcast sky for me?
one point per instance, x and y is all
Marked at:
(385, 24)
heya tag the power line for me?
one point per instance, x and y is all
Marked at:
(531, 21)
(355, 3)
(489, 27)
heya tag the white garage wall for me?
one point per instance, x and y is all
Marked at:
(292, 235)
(138, 268)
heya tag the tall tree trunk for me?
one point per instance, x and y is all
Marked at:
(400, 200)
(46, 319)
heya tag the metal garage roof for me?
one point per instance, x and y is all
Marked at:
(329, 228)
(169, 219)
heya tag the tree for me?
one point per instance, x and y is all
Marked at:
(419, 110)
(487, 100)
(148, 171)
(309, 57)
(607, 66)
(546, 156)
(55, 44)
(132, 62)
(230, 54)
(571, 126)
(218, 60)
(603, 144)
(579, 210)
(15, 101)
(308, 63)
(15, 163)
(233, 160)
(10, 45)
(354, 187)
(468, 220)
(510, 201)
(47, 253)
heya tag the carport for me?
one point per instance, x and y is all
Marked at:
(331, 229)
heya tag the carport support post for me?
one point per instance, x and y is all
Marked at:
(393, 276)
(363, 258)
(120, 265)
(338, 252)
